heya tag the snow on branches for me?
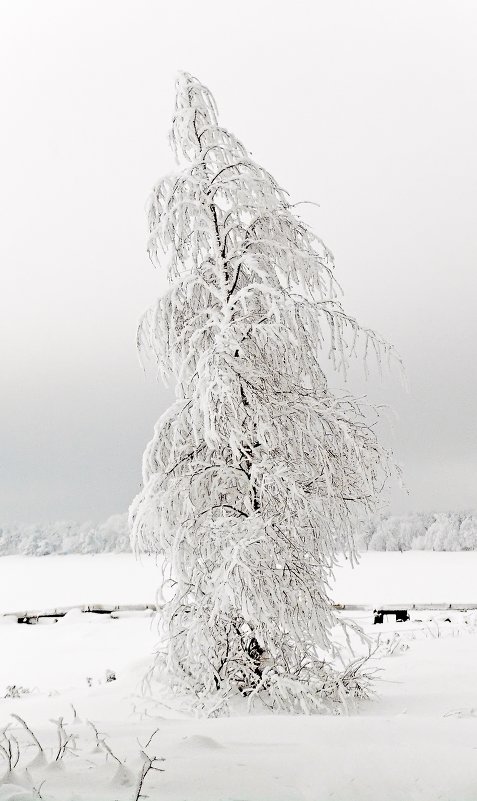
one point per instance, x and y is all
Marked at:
(254, 475)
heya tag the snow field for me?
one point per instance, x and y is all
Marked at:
(393, 749)
(416, 741)
(380, 577)
(412, 576)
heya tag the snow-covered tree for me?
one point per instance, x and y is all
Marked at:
(255, 476)
(468, 533)
(443, 533)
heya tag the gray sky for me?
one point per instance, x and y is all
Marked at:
(366, 107)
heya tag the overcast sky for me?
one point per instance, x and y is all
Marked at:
(368, 108)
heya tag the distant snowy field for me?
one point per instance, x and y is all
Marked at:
(411, 576)
(380, 577)
(417, 740)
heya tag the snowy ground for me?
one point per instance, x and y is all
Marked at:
(415, 740)
(48, 581)
(414, 576)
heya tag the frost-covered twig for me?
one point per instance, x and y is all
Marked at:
(108, 750)
(97, 734)
(28, 730)
(6, 750)
(149, 763)
(66, 741)
(37, 790)
(151, 738)
(101, 742)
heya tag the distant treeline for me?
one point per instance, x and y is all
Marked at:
(62, 537)
(437, 531)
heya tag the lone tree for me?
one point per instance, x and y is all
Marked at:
(255, 475)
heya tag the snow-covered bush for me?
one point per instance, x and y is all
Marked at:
(255, 476)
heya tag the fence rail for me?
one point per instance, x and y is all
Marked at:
(428, 607)
(116, 610)
(33, 615)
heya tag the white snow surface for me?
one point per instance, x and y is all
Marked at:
(30, 583)
(415, 741)
(380, 577)
(411, 576)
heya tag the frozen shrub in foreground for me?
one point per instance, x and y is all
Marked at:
(255, 476)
